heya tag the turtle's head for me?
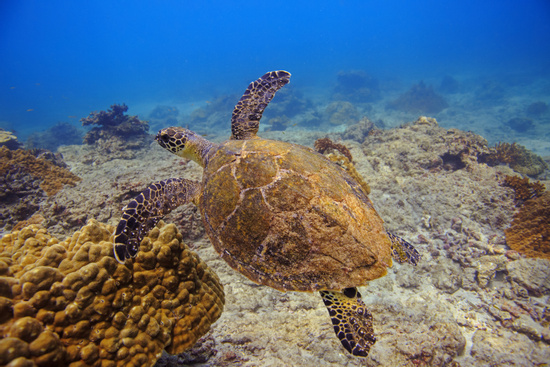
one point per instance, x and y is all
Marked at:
(184, 143)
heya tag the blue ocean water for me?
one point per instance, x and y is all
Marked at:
(62, 59)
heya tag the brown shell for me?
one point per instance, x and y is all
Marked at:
(286, 217)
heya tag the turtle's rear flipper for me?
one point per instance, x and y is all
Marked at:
(402, 251)
(351, 319)
(145, 210)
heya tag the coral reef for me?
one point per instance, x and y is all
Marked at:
(114, 123)
(519, 158)
(53, 177)
(537, 108)
(9, 140)
(341, 113)
(25, 180)
(325, 144)
(422, 315)
(61, 133)
(420, 98)
(356, 86)
(529, 232)
(71, 303)
(523, 189)
(520, 124)
(116, 136)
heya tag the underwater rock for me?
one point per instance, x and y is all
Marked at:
(492, 349)
(488, 266)
(61, 133)
(356, 86)
(525, 325)
(215, 114)
(72, 302)
(279, 123)
(420, 98)
(341, 113)
(489, 93)
(537, 108)
(9, 140)
(441, 149)
(529, 232)
(520, 124)
(448, 85)
(416, 332)
(289, 102)
(359, 131)
(532, 274)
(446, 276)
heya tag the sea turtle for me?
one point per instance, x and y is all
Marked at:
(281, 214)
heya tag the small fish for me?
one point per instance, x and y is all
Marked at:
(12, 87)
(71, 117)
(30, 109)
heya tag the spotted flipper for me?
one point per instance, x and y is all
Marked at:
(351, 320)
(145, 210)
(402, 251)
(245, 120)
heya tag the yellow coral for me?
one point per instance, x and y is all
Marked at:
(518, 157)
(524, 190)
(54, 177)
(529, 232)
(73, 303)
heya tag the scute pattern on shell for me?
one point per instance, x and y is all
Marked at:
(286, 217)
(72, 303)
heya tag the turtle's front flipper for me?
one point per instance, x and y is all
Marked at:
(245, 120)
(145, 210)
(402, 251)
(351, 319)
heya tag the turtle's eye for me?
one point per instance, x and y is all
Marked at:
(165, 138)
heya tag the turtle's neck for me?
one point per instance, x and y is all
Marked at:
(198, 149)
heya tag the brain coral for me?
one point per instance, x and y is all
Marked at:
(530, 229)
(71, 303)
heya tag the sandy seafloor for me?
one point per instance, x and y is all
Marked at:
(469, 302)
